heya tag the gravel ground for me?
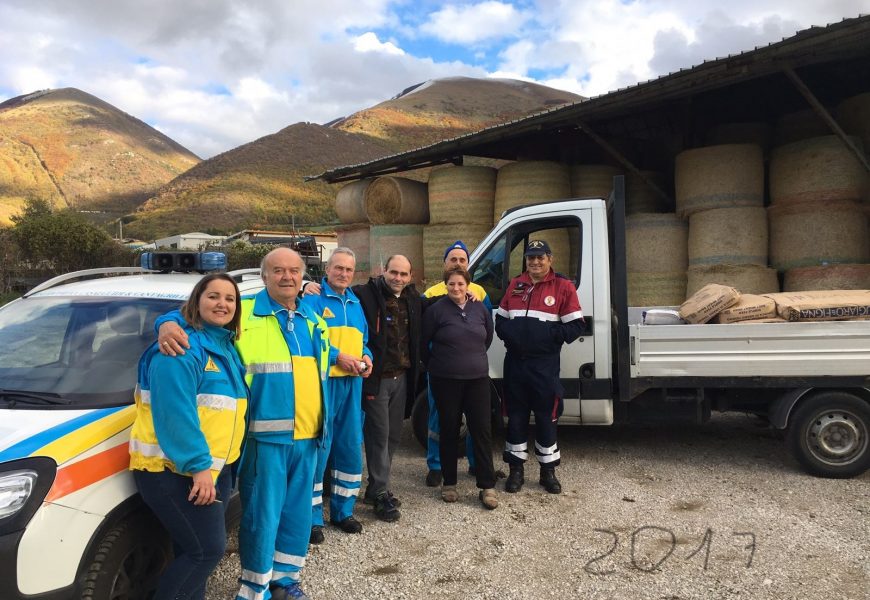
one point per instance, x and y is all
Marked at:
(671, 513)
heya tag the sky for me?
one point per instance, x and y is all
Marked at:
(215, 74)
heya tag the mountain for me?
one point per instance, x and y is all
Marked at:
(261, 183)
(78, 151)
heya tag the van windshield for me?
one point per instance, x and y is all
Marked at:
(74, 352)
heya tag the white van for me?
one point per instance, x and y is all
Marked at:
(71, 522)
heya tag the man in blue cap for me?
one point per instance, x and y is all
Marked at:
(455, 256)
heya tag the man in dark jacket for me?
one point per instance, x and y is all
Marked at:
(538, 313)
(392, 309)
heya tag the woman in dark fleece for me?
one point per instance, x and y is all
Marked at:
(456, 335)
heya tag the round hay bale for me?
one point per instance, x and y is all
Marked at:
(751, 132)
(641, 198)
(656, 243)
(747, 279)
(396, 200)
(350, 202)
(853, 114)
(808, 234)
(564, 244)
(820, 168)
(436, 238)
(800, 125)
(656, 289)
(357, 238)
(592, 181)
(530, 182)
(387, 240)
(734, 236)
(462, 195)
(827, 277)
(718, 177)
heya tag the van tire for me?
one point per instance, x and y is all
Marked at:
(829, 435)
(128, 561)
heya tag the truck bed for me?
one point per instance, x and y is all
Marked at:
(809, 349)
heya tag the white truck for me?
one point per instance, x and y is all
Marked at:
(810, 378)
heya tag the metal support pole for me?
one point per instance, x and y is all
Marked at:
(825, 116)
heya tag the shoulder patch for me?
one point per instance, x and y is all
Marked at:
(211, 366)
(327, 314)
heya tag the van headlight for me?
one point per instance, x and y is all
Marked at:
(15, 489)
(24, 484)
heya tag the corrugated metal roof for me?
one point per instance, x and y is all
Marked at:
(847, 39)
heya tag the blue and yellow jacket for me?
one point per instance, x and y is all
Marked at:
(440, 289)
(190, 410)
(348, 330)
(287, 362)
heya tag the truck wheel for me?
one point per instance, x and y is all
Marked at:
(128, 561)
(420, 423)
(829, 435)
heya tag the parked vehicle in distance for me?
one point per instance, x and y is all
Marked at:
(69, 351)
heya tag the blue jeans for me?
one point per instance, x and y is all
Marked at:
(198, 533)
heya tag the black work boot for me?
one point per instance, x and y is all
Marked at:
(548, 480)
(515, 479)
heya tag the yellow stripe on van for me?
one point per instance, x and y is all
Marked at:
(80, 440)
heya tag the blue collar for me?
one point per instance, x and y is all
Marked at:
(326, 290)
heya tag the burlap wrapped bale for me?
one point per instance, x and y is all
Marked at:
(827, 277)
(853, 114)
(800, 125)
(748, 279)
(592, 181)
(397, 200)
(357, 237)
(735, 236)
(641, 198)
(719, 177)
(462, 195)
(656, 289)
(530, 182)
(656, 243)
(350, 202)
(808, 234)
(817, 169)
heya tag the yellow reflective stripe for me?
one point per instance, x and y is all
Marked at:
(272, 425)
(270, 367)
(216, 401)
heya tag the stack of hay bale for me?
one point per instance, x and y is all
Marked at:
(461, 204)
(818, 215)
(720, 189)
(382, 217)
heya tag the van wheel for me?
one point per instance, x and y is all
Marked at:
(830, 435)
(420, 423)
(128, 561)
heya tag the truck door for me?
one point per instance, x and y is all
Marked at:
(502, 258)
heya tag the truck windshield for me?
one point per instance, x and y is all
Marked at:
(61, 352)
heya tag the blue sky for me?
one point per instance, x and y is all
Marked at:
(215, 74)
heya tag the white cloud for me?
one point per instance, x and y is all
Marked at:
(475, 23)
(369, 42)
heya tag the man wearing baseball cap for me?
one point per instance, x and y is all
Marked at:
(455, 256)
(538, 313)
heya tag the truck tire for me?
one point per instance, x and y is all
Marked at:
(829, 434)
(420, 423)
(128, 561)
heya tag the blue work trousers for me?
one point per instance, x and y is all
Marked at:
(275, 482)
(198, 533)
(341, 451)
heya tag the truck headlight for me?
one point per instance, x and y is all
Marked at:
(15, 489)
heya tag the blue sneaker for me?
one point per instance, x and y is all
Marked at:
(287, 592)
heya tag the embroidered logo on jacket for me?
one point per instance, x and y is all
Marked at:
(211, 366)
(327, 314)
